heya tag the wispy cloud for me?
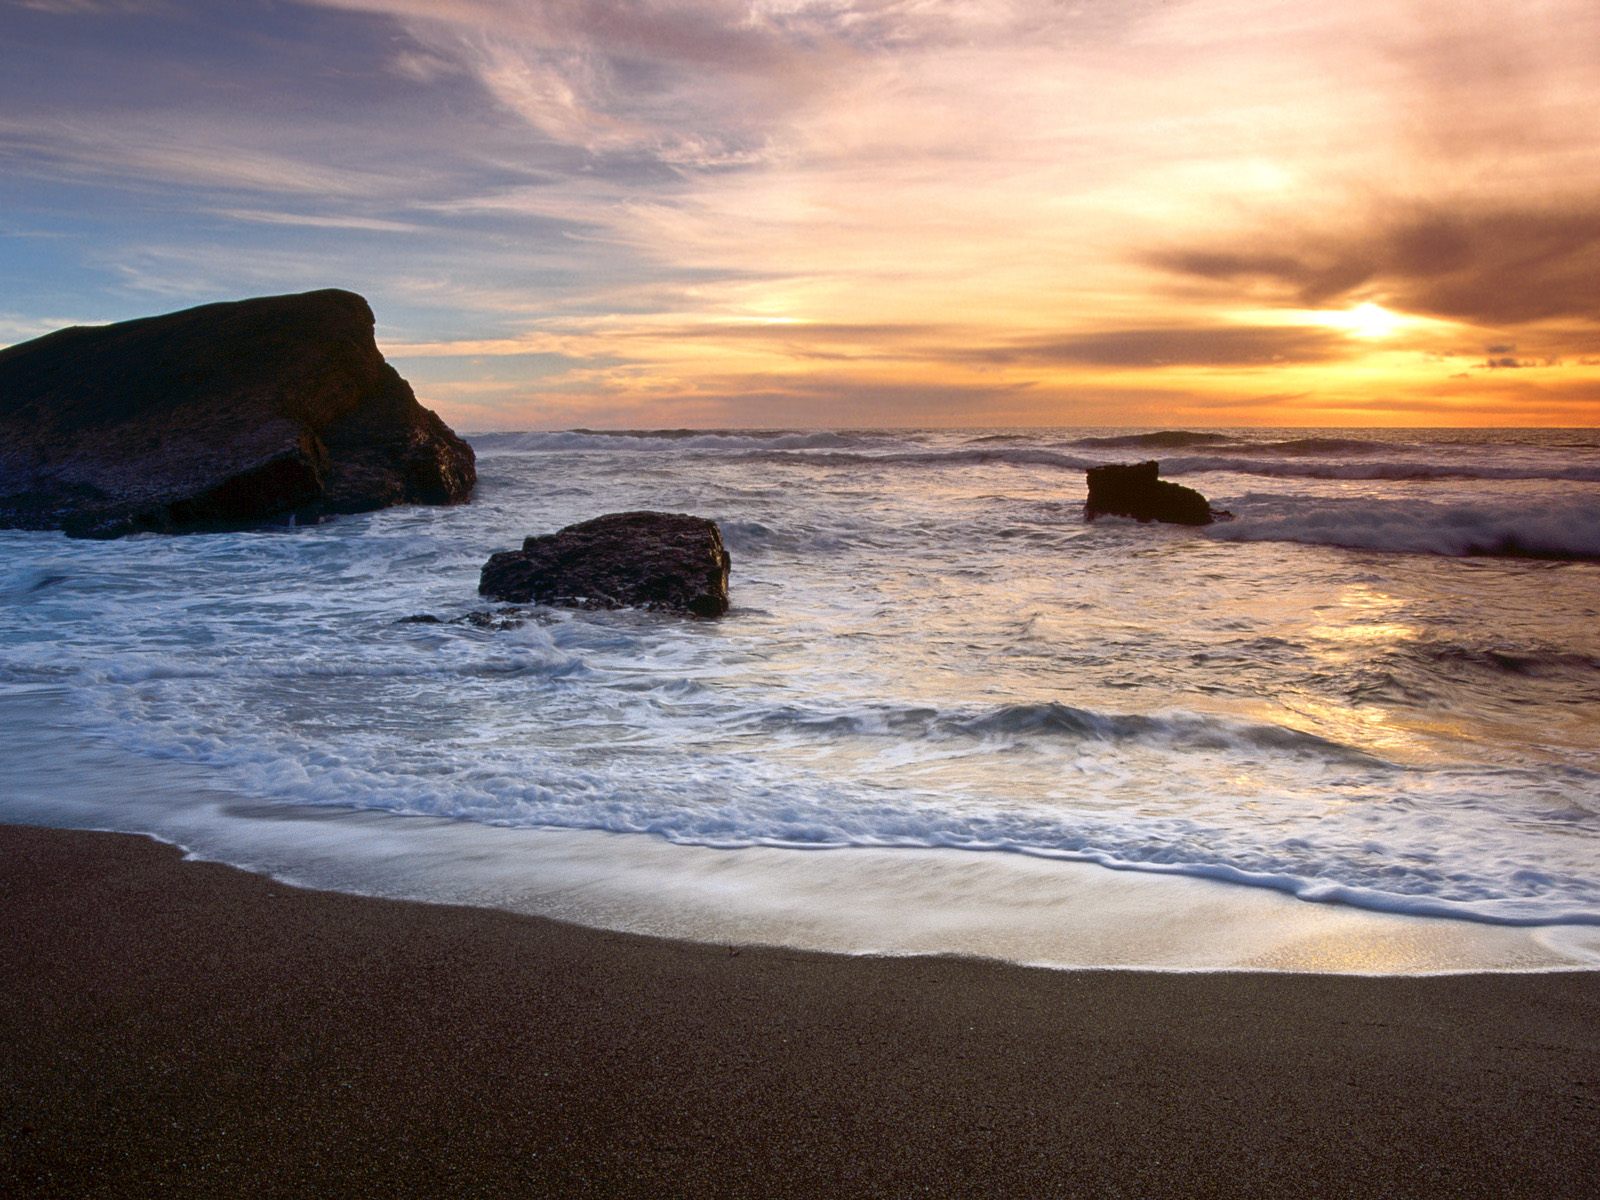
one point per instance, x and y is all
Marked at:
(137, 153)
(91, 7)
(692, 84)
(317, 221)
(1196, 346)
(16, 328)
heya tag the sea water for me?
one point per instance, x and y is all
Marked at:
(944, 712)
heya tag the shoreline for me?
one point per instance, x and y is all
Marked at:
(191, 1028)
(1018, 908)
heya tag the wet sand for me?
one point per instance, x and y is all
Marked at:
(188, 1029)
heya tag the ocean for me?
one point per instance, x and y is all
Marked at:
(945, 714)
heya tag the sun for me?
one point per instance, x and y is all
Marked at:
(1368, 320)
(1365, 320)
(1371, 320)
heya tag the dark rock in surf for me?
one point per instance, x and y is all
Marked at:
(218, 417)
(663, 561)
(493, 622)
(1134, 490)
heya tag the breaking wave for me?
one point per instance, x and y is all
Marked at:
(1065, 722)
(1166, 439)
(1523, 662)
(930, 650)
(1303, 458)
(1317, 445)
(1397, 470)
(1567, 530)
(667, 440)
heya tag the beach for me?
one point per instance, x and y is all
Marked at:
(184, 1028)
(819, 598)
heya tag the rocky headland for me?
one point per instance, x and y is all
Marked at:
(224, 416)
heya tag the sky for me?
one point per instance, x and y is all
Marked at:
(823, 213)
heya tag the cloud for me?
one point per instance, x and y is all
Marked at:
(1513, 398)
(699, 84)
(722, 84)
(1191, 346)
(568, 346)
(143, 153)
(15, 328)
(419, 66)
(1477, 87)
(1491, 266)
(911, 344)
(316, 221)
(93, 7)
(760, 401)
(1046, 208)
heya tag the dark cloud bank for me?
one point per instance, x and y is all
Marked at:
(1492, 267)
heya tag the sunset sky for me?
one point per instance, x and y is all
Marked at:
(823, 213)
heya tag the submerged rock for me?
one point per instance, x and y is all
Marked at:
(218, 417)
(482, 618)
(669, 562)
(1134, 490)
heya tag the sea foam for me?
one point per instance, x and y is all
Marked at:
(1355, 692)
(1556, 529)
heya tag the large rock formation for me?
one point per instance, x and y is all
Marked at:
(1134, 490)
(218, 417)
(664, 561)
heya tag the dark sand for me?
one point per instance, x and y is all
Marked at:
(174, 1028)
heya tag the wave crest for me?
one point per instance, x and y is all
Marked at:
(1166, 439)
(1398, 470)
(1317, 445)
(1052, 719)
(665, 440)
(1562, 532)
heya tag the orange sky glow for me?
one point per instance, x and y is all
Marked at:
(914, 212)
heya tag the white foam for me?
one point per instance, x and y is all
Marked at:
(640, 765)
(1029, 910)
(944, 659)
(1562, 528)
(666, 441)
(1376, 469)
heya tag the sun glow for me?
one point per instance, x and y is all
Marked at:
(1365, 320)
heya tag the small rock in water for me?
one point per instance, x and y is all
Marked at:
(481, 618)
(668, 562)
(1134, 490)
(495, 622)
